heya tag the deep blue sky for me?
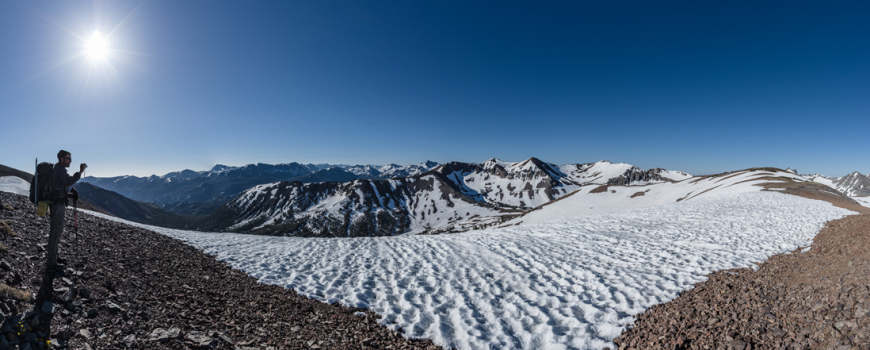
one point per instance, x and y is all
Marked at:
(697, 86)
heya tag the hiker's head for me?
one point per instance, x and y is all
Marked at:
(64, 158)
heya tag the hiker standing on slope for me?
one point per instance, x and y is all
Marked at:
(61, 182)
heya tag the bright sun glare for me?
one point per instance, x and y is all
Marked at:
(97, 47)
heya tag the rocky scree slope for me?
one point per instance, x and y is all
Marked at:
(127, 287)
(452, 197)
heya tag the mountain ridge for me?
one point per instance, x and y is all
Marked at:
(450, 197)
(212, 188)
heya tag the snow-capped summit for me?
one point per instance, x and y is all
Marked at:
(852, 185)
(454, 196)
(389, 171)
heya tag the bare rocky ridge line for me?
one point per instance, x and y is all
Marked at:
(636, 174)
(818, 299)
(149, 291)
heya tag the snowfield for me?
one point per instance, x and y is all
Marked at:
(562, 284)
(14, 184)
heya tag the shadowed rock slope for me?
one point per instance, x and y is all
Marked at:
(127, 287)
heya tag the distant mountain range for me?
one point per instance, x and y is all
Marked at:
(366, 200)
(201, 192)
(451, 197)
(853, 185)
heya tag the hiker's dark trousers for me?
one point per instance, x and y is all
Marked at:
(57, 216)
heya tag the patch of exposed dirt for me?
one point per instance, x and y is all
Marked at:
(599, 189)
(638, 194)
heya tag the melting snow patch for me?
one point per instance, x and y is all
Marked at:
(565, 284)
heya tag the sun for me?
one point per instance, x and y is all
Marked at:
(97, 47)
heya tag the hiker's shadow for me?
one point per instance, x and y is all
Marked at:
(49, 302)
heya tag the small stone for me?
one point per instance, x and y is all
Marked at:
(113, 307)
(738, 344)
(174, 332)
(85, 333)
(93, 313)
(159, 335)
(48, 308)
(85, 293)
(5, 265)
(202, 339)
(225, 338)
(59, 343)
(839, 325)
(712, 320)
(129, 340)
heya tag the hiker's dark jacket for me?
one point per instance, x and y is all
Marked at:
(61, 181)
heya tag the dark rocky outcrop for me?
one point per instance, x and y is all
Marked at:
(635, 175)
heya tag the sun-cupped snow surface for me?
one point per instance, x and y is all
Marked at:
(592, 200)
(564, 284)
(15, 185)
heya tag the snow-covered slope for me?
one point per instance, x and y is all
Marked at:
(572, 284)
(595, 200)
(603, 172)
(15, 185)
(451, 197)
(822, 179)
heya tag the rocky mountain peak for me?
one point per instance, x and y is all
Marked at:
(854, 184)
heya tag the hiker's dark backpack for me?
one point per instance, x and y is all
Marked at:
(41, 185)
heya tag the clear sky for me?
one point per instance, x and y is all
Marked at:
(697, 86)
